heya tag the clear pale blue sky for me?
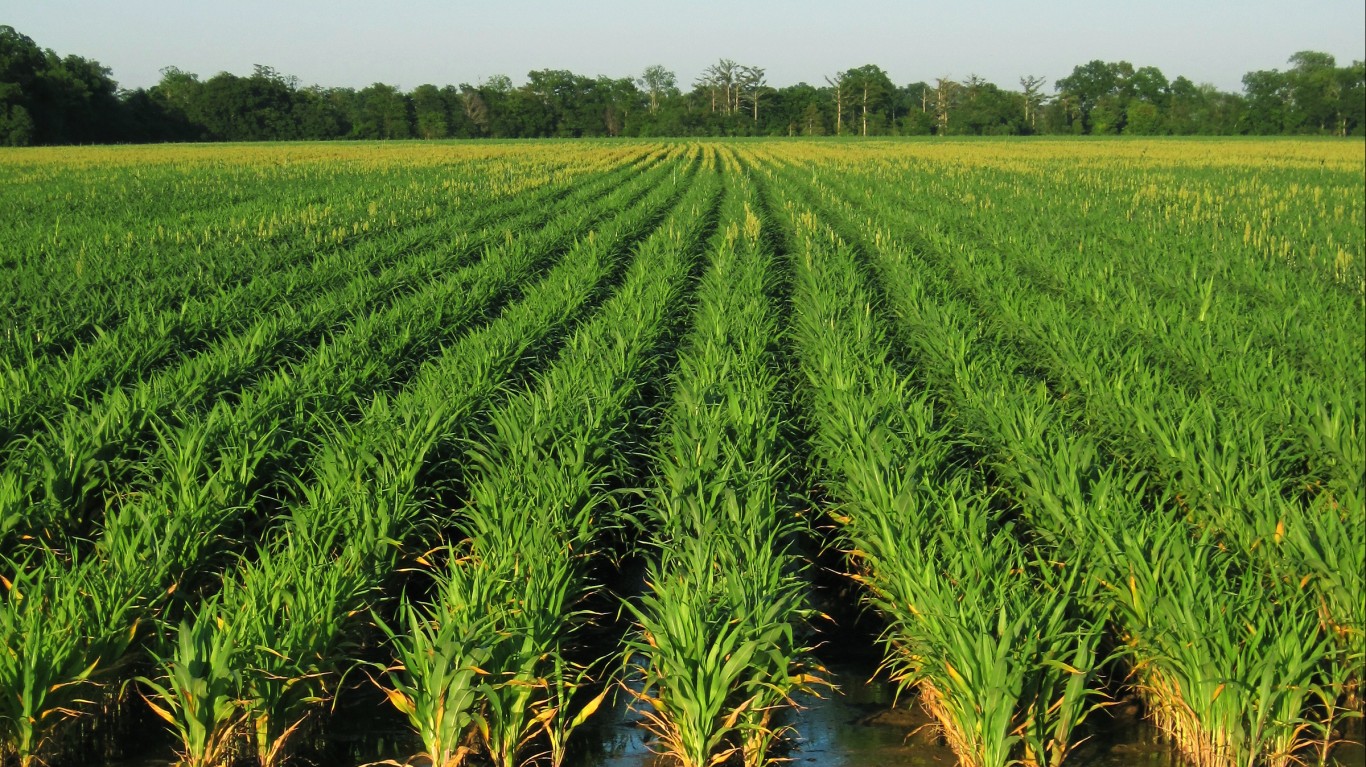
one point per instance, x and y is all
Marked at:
(357, 42)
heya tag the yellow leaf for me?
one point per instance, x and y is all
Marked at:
(589, 709)
(401, 702)
(161, 712)
(735, 715)
(79, 677)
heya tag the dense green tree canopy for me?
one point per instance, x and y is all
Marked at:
(49, 99)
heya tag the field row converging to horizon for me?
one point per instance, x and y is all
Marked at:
(455, 445)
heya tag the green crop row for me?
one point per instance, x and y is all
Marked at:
(720, 651)
(156, 343)
(78, 277)
(65, 477)
(293, 430)
(273, 644)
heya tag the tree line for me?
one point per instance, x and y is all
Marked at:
(50, 99)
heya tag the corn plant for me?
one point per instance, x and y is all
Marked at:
(1057, 470)
(362, 505)
(1239, 693)
(568, 682)
(65, 633)
(699, 653)
(441, 653)
(191, 500)
(199, 695)
(293, 606)
(719, 654)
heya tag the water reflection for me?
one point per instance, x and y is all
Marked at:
(854, 727)
(858, 726)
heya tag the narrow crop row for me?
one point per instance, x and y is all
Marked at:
(1240, 477)
(65, 477)
(288, 433)
(77, 277)
(720, 652)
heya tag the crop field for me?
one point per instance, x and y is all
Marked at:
(456, 448)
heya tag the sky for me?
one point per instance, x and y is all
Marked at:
(411, 42)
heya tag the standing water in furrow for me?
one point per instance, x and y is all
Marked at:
(326, 453)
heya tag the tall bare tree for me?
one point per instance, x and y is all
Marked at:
(840, 84)
(752, 80)
(724, 75)
(720, 80)
(1033, 96)
(944, 90)
(476, 107)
